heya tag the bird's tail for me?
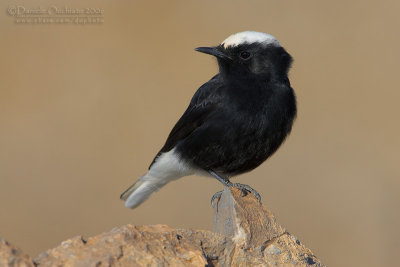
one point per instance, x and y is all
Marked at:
(141, 190)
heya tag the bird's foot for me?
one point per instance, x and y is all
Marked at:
(216, 196)
(244, 188)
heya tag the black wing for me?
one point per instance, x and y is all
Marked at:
(203, 103)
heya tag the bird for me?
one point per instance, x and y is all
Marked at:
(234, 122)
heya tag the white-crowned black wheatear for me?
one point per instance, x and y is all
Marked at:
(234, 122)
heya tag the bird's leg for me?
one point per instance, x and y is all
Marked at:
(244, 188)
(224, 181)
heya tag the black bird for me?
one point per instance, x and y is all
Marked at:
(234, 122)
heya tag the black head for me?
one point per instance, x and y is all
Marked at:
(251, 55)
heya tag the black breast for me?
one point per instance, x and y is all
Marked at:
(245, 129)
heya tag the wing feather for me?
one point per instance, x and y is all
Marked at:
(204, 102)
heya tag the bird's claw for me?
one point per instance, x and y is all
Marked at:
(244, 188)
(216, 195)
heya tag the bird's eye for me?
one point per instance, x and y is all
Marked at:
(244, 55)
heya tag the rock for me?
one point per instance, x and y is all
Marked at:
(258, 240)
(129, 245)
(246, 234)
(12, 256)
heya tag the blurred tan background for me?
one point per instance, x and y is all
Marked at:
(84, 108)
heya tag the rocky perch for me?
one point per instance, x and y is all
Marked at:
(245, 234)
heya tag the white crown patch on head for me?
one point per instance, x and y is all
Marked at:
(249, 37)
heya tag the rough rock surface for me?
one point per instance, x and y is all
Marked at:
(12, 256)
(257, 239)
(129, 245)
(245, 234)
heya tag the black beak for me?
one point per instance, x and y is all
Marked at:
(213, 51)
